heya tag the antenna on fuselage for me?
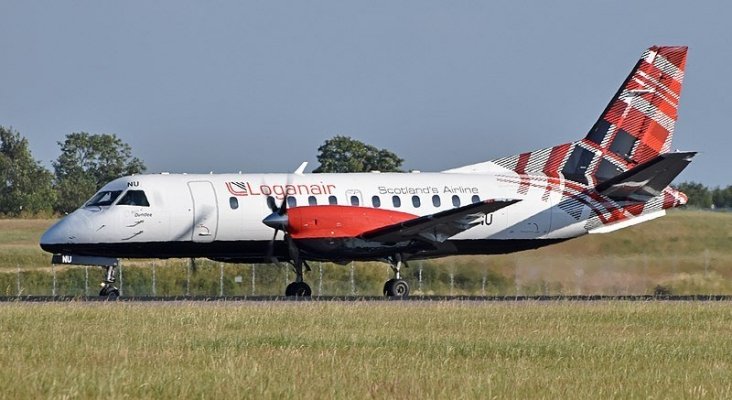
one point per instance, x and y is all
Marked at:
(301, 168)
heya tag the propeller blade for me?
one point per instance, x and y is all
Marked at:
(292, 249)
(270, 247)
(283, 207)
(272, 204)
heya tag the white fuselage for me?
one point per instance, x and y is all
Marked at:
(220, 215)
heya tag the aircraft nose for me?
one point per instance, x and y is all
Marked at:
(56, 234)
(63, 232)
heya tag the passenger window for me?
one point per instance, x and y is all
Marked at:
(312, 201)
(455, 201)
(475, 199)
(134, 198)
(436, 200)
(233, 203)
(396, 201)
(291, 202)
(416, 202)
(376, 201)
(332, 200)
(105, 198)
(354, 200)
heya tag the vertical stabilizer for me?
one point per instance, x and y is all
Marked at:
(638, 124)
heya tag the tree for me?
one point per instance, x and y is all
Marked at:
(722, 198)
(25, 185)
(343, 154)
(87, 162)
(698, 194)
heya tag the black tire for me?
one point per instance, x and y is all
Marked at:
(388, 288)
(298, 289)
(110, 292)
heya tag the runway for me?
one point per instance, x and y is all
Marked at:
(577, 298)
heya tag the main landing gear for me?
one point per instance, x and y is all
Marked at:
(108, 289)
(396, 287)
(298, 288)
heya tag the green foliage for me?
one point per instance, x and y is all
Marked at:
(722, 198)
(699, 195)
(703, 197)
(87, 162)
(25, 186)
(343, 154)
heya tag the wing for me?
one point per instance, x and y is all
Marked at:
(437, 227)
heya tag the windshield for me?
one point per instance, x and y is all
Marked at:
(134, 198)
(105, 198)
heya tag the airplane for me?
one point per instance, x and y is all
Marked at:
(617, 176)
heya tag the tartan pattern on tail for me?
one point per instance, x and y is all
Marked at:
(636, 126)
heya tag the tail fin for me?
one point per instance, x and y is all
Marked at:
(636, 126)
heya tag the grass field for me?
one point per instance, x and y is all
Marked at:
(374, 350)
(687, 252)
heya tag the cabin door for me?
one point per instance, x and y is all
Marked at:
(205, 211)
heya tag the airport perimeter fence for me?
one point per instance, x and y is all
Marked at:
(184, 278)
(179, 278)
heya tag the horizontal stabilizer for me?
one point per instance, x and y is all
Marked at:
(647, 180)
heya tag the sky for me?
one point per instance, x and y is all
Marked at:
(258, 86)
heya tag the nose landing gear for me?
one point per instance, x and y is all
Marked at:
(396, 287)
(108, 289)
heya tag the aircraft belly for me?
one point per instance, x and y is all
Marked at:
(355, 249)
(313, 249)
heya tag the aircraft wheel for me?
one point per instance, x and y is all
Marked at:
(396, 288)
(110, 292)
(298, 289)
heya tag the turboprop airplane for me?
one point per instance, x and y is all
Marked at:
(616, 176)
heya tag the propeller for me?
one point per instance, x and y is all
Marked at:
(277, 221)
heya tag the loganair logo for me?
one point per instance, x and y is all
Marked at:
(278, 191)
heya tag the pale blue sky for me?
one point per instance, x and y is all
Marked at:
(258, 85)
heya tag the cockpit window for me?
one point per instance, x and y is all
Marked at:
(134, 198)
(104, 198)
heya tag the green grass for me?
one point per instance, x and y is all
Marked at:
(25, 232)
(19, 240)
(374, 350)
(688, 252)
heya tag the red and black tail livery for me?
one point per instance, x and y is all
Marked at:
(636, 126)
